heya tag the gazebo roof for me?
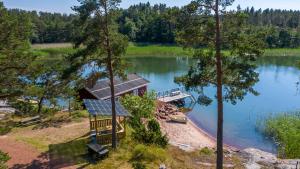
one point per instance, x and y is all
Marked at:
(103, 108)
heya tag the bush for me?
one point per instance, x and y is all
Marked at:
(285, 129)
(139, 108)
(138, 165)
(206, 151)
(3, 159)
(151, 134)
(5, 127)
(79, 114)
(148, 153)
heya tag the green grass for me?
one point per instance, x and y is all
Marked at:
(285, 129)
(132, 50)
(34, 142)
(138, 50)
(156, 50)
(73, 151)
(283, 52)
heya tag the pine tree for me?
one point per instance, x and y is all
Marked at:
(102, 44)
(201, 26)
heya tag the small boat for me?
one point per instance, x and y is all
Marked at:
(178, 118)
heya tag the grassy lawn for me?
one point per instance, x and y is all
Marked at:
(137, 50)
(66, 145)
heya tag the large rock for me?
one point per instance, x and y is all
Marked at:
(256, 159)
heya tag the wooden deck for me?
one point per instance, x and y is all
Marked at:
(174, 95)
(102, 127)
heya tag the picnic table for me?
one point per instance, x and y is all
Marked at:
(99, 150)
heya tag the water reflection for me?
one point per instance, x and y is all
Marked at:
(277, 87)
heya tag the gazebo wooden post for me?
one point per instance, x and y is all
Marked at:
(96, 127)
(90, 118)
(125, 118)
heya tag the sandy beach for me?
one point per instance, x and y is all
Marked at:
(187, 136)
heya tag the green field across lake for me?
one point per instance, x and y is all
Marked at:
(136, 50)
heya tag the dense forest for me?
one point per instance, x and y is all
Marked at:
(144, 23)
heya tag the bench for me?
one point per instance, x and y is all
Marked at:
(30, 121)
(98, 150)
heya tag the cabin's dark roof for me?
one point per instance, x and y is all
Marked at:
(103, 108)
(102, 90)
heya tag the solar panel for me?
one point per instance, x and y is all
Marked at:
(102, 90)
(103, 108)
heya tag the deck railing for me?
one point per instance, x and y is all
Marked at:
(168, 93)
(102, 124)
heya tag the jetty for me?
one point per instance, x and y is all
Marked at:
(174, 95)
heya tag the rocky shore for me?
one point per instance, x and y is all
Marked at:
(189, 137)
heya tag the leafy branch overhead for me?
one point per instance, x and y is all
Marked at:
(91, 39)
(241, 45)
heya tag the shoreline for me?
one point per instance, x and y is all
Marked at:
(226, 146)
(187, 136)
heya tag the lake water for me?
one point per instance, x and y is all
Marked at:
(277, 88)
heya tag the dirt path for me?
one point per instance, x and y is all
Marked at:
(23, 155)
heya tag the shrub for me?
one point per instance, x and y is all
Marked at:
(151, 134)
(139, 107)
(3, 159)
(5, 127)
(79, 114)
(138, 165)
(143, 107)
(148, 153)
(206, 151)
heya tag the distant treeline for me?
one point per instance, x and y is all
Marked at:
(144, 23)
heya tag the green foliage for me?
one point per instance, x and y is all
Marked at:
(148, 153)
(23, 107)
(98, 40)
(150, 134)
(243, 46)
(285, 129)
(142, 108)
(157, 23)
(4, 157)
(78, 114)
(15, 55)
(206, 151)
(5, 128)
(138, 165)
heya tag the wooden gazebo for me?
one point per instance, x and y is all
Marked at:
(100, 115)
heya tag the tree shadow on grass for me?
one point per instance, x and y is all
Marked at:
(42, 162)
(72, 153)
(55, 122)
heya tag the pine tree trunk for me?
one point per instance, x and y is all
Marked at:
(40, 106)
(111, 79)
(219, 90)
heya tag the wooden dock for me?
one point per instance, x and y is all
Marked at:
(173, 95)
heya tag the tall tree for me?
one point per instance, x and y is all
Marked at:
(102, 44)
(201, 26)
(15, 53)
(45, 80)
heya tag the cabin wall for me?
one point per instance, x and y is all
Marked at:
(142, 91)
(84, 94)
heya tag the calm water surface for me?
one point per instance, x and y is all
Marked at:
(277, 87)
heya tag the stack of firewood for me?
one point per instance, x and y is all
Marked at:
(164, 110)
